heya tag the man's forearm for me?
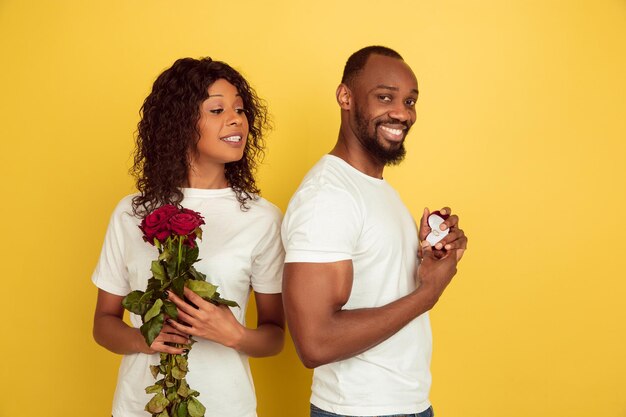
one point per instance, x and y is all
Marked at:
(347, 333)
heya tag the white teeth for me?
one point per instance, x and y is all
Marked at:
(232, 139)
(396, 132)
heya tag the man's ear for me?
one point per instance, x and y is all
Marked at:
(344, 97)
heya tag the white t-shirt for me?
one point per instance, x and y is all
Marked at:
(340, 213)
(239, 250)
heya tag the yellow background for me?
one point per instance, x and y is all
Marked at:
(521, 129)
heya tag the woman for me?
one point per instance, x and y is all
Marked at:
(197, 144)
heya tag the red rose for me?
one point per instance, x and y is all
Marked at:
(156, 224)
(185, 222)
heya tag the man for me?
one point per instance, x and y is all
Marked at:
(355, 300)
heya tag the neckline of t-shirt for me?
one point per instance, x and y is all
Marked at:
(356, 171)
(206, 192)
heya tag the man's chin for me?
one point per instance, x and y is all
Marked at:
(391, 156)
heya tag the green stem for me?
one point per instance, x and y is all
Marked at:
(180, 255)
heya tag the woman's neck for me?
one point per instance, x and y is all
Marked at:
(206, 177)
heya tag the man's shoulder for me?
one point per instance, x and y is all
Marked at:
(329, 173)
(326, 188)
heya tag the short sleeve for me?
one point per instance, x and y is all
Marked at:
(111, 274)
(269, 256)
(322, 224)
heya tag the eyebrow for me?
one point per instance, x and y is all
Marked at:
(392, 88)
(221, 95)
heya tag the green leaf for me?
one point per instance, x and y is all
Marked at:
(154, 389)
(220, 300)
(182, 409)
(172, 396)
(171, 268)
(195, 407)
(163, 414)
(169, 308)
(182, 363)
(157, 270)
(154, 285)
(202, 288)
(183, 390)
(154, 369)
(178, 373)
(157, 404)
(178, 285)
(151, 329)
(166, 255)
(147, 298)
(132, 303)
(191, 255)
(154, 310)
(197, 274)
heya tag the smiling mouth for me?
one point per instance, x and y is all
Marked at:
(392, 134)
(232, 139)
(396, 132)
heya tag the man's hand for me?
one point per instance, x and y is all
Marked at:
(455, 241)
(434, 272)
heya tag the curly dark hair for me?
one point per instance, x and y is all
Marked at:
(168, 130)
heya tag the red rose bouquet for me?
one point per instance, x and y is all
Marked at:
(173, 231)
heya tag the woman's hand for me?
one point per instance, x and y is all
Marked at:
(110, 330)
(208, 321)
(170, 335)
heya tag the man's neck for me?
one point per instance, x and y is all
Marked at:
(353, 153)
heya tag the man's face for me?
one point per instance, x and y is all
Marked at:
(384, 94)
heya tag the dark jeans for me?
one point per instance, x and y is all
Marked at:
(317, 412)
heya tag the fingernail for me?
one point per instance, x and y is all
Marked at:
(166, 294)
(439, 245)
(168, 321)
(185, 350)
(443, 226)
(444, 211)
(424, 243)
(448, 247)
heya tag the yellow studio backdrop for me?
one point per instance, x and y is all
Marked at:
(521, 129)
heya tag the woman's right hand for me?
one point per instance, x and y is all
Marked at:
(167, 335)
(110, 330)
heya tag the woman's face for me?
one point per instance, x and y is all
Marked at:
(223, 126)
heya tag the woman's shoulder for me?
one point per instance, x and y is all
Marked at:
(124, 209)
(262, 207)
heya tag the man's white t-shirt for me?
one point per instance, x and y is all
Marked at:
(340, 213)
(239, 250)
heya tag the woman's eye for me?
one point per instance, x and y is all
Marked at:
(216, 111)
(240, 111)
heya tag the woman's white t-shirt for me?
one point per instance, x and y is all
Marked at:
(239, 250)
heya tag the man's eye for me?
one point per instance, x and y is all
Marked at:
(411, 102)
(216, 111)
(385, 99)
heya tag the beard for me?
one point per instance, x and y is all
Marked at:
(392, 155)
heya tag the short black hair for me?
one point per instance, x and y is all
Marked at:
(357, 60)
